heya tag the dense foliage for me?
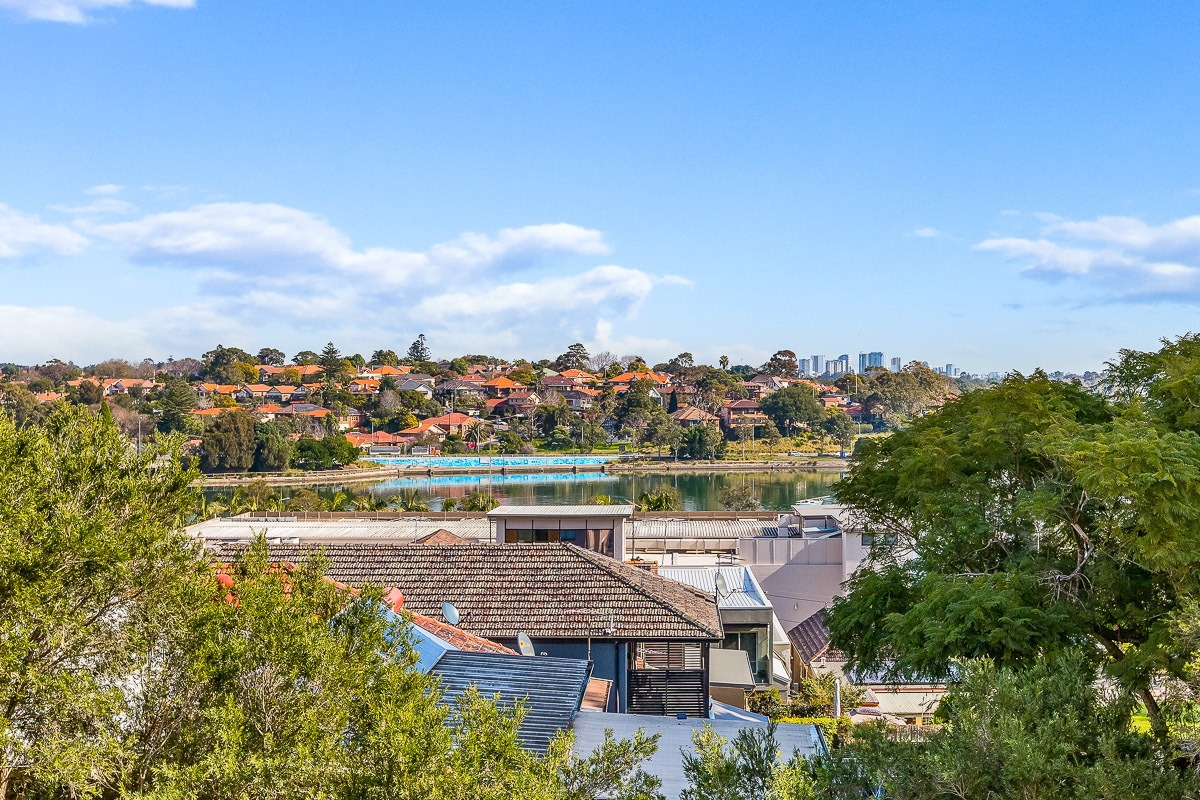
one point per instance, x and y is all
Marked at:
(1036, 524)
(130, 667)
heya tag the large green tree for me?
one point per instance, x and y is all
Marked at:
(130, 668)
(1047, 732)
(793, 406)
(228, 443)
(86, 550)
(1029, 517)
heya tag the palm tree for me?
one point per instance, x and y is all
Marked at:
(410, 500)
(479, 500)
(665, 499)
(342, 501)
(477, 430)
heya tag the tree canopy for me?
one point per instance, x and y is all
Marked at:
(1031, 517)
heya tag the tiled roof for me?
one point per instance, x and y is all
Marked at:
(443, 536)
(692, 413)
(552, 591)
(811, 640)
(460, 639)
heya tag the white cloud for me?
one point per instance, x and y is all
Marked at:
(654, 350)
(98, 207)
(33, 334)
(257, 269)
(609, 286)
(104, 188)
(26, 235)
(266, 238)
(79, 11)
(1119, 258)
(927, 233)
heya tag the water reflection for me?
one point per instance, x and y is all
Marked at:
(700, 492)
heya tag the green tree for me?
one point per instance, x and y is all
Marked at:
(1027, 517)
(229, 443)
(479, 500)
(273, 452)
(219, 363)
(746, 768)
(739, 498)
(576, 357)
(305, 358)
(1044, 732)
(793, 406)
(385, 358)
(419, 350)
(662, 499)
(840, 427)
(89, 393)
(330, 361)
(271, 357)
(86, 547)
(782, 364)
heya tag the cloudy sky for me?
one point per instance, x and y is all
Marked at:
(1000, 185)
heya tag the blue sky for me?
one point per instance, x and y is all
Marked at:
(1001, 186)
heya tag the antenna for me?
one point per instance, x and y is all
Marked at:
(722, 585)
(525, 645)
(450, 613)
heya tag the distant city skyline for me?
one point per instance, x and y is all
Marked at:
(998, 188)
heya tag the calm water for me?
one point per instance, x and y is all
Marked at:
(700, 492)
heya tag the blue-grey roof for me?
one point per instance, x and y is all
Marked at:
(552, 688)
(676, 736)
(429, 648)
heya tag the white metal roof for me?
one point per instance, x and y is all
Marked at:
(562, 511)
(240, 529)
(662, 528)
(742, 590)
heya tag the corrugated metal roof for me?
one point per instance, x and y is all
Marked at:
(562, 511)
(702, 528)
(742, 590)
(337, 530)
(552, 688)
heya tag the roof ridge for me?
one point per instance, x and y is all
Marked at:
(595, 558)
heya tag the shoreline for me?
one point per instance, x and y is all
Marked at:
(344, 476)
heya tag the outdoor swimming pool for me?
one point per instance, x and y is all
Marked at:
(467, 462)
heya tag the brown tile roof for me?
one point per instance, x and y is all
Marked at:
(692, 413)
(551, 591)
(443, 536)
(811, 640)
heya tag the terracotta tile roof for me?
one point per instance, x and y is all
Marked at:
(811, 640)
(689, 413)
(501, 590)
(443, 536)
(630, 377)
(504, 383)
(460, 638)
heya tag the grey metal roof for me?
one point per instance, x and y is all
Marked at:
(241, 529)
(551, 688)
(562, 511)
(742, 590)
(676, 737)
(703, 528)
